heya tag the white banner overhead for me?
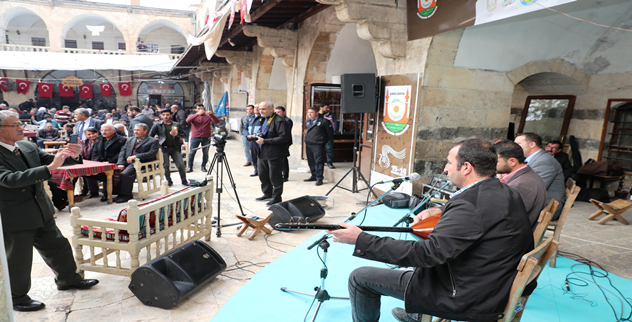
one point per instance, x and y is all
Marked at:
(22, 60)
(493, 10)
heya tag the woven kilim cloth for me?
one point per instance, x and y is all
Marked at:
(63, 176)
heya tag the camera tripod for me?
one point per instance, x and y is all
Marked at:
(220, 159)
(321, 293)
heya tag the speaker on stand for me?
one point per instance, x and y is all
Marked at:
(296, 210)
(169, 279)
(357, 96)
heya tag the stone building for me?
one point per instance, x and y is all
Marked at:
(468, 82)
(49, 41)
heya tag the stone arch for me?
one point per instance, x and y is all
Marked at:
(32, 18)
(93, 19)
(165, 39)
(558, 66)
(321, 50)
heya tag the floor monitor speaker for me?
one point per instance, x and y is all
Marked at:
(358, 93)
(296, 210)
(169, 279)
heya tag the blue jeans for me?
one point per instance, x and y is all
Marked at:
(186, 133)
(246, 144)
(195, 142)
(329, 146)
(368, 284)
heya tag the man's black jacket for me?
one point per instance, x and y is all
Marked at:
(275, 139)
(109, 154)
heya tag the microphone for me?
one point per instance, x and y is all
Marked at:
(412, 177)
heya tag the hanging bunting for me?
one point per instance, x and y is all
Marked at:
(232, 15)
(23, 86)
(45, 89)
(85, 91)
(4, 84)
(106, 89)
(125, 88)
(66, 91)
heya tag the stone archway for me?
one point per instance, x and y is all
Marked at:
(76, 30)
(34, 26)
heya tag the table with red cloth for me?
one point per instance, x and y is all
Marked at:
(30, 134)
(64, 176)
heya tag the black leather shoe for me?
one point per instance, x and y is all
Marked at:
(254, 175)
(262, 198)
(319, 182)
(185, 182)
(286, 179)
(83, 285)
(204, 169)
(30, 306)
(331, 165)
(96, 195)
(189, 170)
(122, 199)
(104, 198)
(402, 316)
(310, 179)
(273, 201)
(169, 183)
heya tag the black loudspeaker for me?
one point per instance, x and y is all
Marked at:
(358, 93)
(169, 279)
(296, 210)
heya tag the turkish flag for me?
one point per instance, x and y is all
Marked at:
(23, 86)
(106, 89)
(85, 91)
(4, 84)
(125, 88)
(45, 89)
(66, 91)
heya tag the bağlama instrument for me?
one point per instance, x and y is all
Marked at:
(421, 229)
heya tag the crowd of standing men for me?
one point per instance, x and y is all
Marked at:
(266, 134)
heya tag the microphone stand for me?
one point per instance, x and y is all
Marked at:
(406, 217)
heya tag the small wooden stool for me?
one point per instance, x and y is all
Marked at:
(48, 144)
(611, 210)
(255, 221)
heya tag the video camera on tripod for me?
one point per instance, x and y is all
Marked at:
(219, 141)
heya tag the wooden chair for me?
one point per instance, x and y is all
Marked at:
(529, 269)
(544, 220)
(62, 134)
(572, 190)
(148, 175)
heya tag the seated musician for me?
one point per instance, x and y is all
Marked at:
(465, 269)
(140, 146)
(106, 148)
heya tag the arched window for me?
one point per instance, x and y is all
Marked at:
(160, 92)
(77, 77)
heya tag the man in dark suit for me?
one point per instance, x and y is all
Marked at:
(106, 149)
(27, 213)
(84, 121)
(137, 117)
(319, 131)
(555, 148)
(273, 140)
(170, 135)
(139, 147)
(546, 166)
(280, 111)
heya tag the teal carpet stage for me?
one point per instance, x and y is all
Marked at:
(262, 300)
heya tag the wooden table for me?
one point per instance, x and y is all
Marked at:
(63, 177)
(611, 210)
(48, 144)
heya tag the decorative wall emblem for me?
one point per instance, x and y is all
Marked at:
(426, 8)
(396, 109)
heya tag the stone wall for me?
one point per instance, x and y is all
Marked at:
(456, 103)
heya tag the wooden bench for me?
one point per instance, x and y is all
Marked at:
(157, 227)
(149, 176)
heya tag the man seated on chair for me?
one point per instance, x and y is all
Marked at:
(107, 148)
(546, 166)
(555, 148)
(515, 173)
(465, 269)
(48, 133)
(170, 135)
(139, 147)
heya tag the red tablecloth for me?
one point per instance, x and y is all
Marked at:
(63, 176)
(30, 134)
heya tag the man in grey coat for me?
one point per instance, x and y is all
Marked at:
(515, 173)
(546, 166)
